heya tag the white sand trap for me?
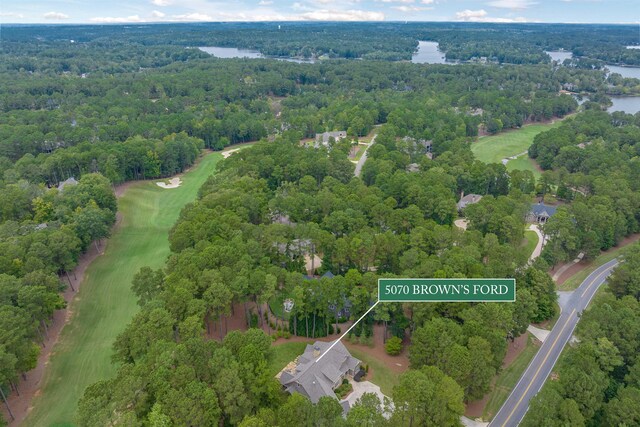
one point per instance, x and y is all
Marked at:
(173, 183)
(227, 153)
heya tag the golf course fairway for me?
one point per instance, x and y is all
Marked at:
(105, 303)
(494, 148)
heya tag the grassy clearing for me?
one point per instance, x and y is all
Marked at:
(105, 303)
(574, 281)
(379, 373)
(530, 241)
(508, 378)
(284, 353)
(524, 163)
(494, 148)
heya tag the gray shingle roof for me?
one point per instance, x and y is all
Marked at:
(469, 199)
(69, 181)
(540, 209)
(316, 378)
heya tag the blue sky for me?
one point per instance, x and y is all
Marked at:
(110, 11)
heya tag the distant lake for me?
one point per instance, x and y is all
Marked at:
(428, 53)
(559, 55)
(633, 72)
(232, 52)
(633, 47)
(628, 104)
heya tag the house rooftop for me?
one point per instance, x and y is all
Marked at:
(469, 199)
(68, 181)
(316, 377)
(542, 209)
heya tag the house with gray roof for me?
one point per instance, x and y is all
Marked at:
(316, 377)
(323, 138)
(540, 213)
(69, 181)
(467, 200)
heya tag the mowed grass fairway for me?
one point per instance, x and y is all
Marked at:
(105, 303)
(494, 148)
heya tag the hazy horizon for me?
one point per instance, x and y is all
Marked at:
(162, 11)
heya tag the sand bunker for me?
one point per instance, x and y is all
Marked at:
(227, 153)
(173, 183)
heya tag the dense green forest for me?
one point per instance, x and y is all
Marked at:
(525, 43)
(226, 250)
(592, 162)
(109, 104)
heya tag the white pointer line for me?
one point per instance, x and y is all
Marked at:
(347, 331)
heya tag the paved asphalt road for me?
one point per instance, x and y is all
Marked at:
(363, 159)
(514, 409)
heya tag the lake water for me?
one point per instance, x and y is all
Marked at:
(428, 53)
(633, 47)
(232, 52)
(559, 55)
(633, 72)
(628, 104)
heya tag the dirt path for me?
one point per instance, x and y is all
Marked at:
(30, 387)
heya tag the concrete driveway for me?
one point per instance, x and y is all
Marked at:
(360, 388)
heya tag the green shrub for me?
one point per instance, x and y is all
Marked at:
(393, 346)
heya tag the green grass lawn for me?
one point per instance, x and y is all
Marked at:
(524, 163)
(530, 241)
(379, 373)
(276, 304)
(508, 378)
(105, 303)
(494, 148)
(284, 353)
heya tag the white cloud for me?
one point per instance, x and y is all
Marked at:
(427, 1)
(190, 17)
(265, 3)
(512, 4)
(55, 15)
(114, 20)
(342, 15)
(411, 8)
(11, 15)
(157, 14)
(161, 2)
(482, 16)
(396, 1)
(468, 15)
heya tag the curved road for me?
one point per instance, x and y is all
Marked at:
(515, 407)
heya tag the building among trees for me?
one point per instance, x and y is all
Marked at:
(323, 138)
(540, 213)
(316, 377)
(469, 199)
